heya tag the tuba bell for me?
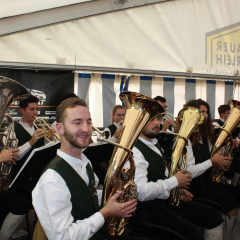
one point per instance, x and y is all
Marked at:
(224, 141)
(10, 91)
(191, 120)
(139, 110)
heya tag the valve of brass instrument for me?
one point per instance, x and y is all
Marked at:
(49, 133)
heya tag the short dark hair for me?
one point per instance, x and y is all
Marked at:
(31, 99)
(68, 95)
(160, 98)
(68, 103)
(223, 109)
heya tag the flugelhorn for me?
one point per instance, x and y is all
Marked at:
(224, 141)
(191, 120)
(169, 116)
(139, 110)
(49, 134)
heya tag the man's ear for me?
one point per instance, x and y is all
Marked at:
(60, 129)
(21, 110)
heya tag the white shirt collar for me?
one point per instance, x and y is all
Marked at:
(222, 120)
(83, 161)
(116, 124)
(25, 125)
(153, 141)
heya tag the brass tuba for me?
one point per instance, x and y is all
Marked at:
(224, 139)
(10, 91)
(139, 110)
(191, 120)
(11, 142)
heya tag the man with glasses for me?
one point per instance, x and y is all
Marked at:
(165, 140)
(224, 111)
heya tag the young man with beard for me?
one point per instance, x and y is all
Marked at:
(186, 221)
(65, 198)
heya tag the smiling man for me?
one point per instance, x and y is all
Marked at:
(65, 198)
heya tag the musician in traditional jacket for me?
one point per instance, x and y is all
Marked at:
(224, 197)
(118, 114)
(65, 198)
(153, 186)
(234, 172)
(165, 140)
(27, 135)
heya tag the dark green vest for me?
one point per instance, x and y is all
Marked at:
(83, 197)
(201, 154)
(220, 122)
(112, 129)
(23, 136)
(157, 166)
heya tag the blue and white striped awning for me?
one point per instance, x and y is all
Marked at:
(101, 92)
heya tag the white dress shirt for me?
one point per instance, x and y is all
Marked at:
(150, 190)
(52, 202)
(111, 138)
(196, 169)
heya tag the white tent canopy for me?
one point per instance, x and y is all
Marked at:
(196, 39)
(176, 36)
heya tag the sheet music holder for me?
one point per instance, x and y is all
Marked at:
(99, 153)
(33, 167)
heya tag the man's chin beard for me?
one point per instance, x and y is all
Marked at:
(77, 145)
(151, 135)
(74, 142)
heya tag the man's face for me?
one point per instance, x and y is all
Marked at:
(77, 127)
(225, 115)
(152, 128)
(119, 115)
(29, 114)
(164, 104)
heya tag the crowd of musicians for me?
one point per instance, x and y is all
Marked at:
(67, 198)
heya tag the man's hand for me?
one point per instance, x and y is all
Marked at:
(186, 196)
(235, 142)
(117, 132)
(115, 209)
(9, 156)
(39, 133)
(166, 125)
(183, 179)
(221, 161)
(177, 125)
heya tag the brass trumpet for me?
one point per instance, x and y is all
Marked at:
(49, 135)
(171, 117)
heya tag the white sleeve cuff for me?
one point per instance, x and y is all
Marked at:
(173, 182)
(98, 220)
